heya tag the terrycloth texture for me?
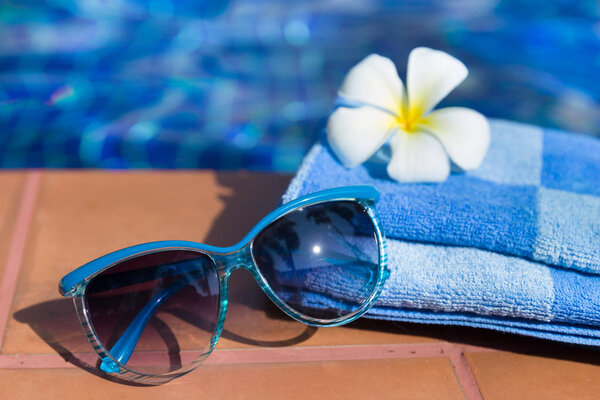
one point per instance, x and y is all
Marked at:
(512, 246)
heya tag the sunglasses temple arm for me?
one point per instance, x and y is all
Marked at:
(124, 347)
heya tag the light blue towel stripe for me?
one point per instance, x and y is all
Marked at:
(467, 280)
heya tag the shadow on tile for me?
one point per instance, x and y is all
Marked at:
(247, 199)
(56, 323)
(489, 339)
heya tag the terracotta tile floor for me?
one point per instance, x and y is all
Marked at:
(51, 222)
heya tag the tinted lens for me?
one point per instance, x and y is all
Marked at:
(322, 260)
(156, 312)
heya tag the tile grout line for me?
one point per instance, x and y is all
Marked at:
(463, 372)
(264, 355)
(18, 240)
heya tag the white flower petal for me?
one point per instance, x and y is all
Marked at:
(464, 133)
(374, 81)
(432, 74)
(417, 157)
(355, 134)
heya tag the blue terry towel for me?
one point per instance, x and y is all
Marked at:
(513, 246)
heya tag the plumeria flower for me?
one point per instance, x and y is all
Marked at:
(421, 140)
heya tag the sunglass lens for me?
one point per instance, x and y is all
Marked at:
(321, 260)
(157, 312)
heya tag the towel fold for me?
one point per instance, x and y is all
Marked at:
(512, 246)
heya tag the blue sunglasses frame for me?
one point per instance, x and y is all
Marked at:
(226, 260)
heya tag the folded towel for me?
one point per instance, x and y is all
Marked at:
(512, 246)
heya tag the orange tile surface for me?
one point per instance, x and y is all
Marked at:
(372, 379)
(10, 186)
(504, 375)
(54, 221)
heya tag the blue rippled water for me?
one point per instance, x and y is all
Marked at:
(249, 84)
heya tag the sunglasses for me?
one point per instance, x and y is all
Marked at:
(320, 258)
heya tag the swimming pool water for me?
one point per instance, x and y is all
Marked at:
(249, 84)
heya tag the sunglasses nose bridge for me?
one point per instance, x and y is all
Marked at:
(229, 262)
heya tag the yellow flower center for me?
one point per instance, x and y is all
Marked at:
(409, 119)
